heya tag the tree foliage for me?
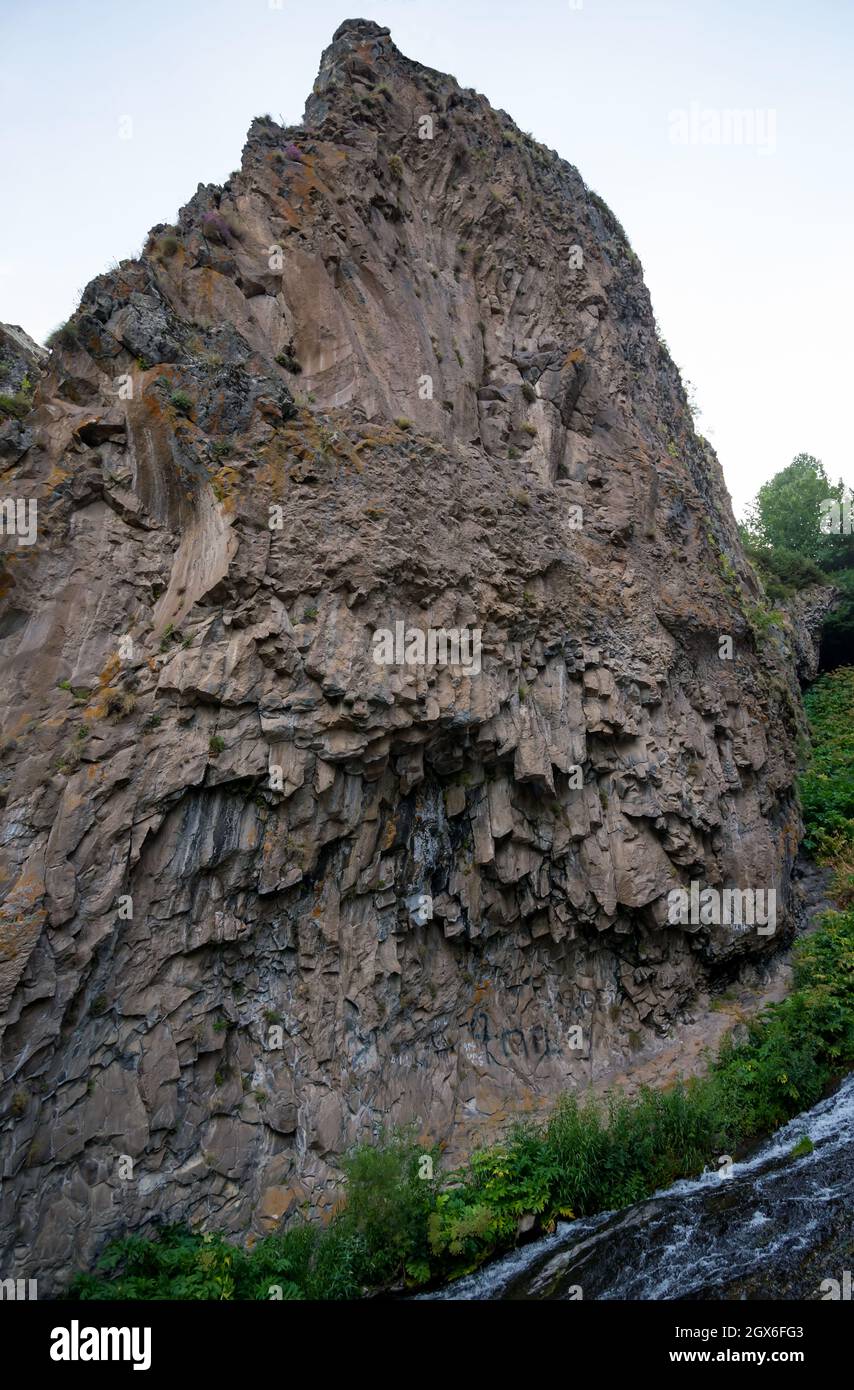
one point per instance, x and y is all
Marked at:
(786, 513)
(794, 541)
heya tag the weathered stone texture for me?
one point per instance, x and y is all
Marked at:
(163, 646)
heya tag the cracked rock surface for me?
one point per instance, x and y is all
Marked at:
(366, 381)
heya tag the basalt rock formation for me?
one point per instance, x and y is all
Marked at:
(402, 367)
(21, 364)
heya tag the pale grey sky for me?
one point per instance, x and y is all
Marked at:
(746, 247)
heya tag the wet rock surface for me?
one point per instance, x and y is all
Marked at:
(366, 381)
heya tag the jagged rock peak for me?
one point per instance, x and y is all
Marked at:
(360, 50)
(363, 58)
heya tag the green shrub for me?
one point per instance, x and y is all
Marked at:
(388, 1205)
(174, 1264)
(180, 401)
(783, 572)
(18, 405)
(216, 745)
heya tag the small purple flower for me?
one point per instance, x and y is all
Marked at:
(214, 225)
(294, 152)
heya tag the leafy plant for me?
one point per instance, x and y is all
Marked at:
(20, 404)
(783, 572)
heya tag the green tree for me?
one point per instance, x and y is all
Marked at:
(786, 512)
(789, 517)
(793, 541)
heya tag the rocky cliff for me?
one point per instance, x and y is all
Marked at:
(260, 892)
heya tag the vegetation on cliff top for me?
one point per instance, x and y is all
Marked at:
(406, 1223)
(796, 538)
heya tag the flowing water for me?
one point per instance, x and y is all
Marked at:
(776, 1228)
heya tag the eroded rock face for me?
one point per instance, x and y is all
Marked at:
(21, 364)
(401, 368)
(806, 612)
